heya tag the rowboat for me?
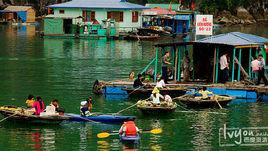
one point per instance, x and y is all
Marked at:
(103, 118)
(146, 92)
(129, 139)
(24, 115)
(147, 107)
(198, 102)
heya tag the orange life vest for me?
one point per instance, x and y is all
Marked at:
(130, 128)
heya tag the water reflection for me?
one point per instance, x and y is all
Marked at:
(36, 141)
(49, 138)
(96, 49)
(85, 136)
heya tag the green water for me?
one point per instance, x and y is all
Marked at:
(66, 69)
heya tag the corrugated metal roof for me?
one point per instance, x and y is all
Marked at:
(234, 39)
(164, 6)
(17, 8)
(99, 4)
(158, 11)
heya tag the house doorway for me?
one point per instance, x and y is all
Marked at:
(67, 24)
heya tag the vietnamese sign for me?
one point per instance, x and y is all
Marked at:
(204, 24)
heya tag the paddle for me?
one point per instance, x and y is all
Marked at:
(136, 89)
(218, 103)
(8, 117)
(107, 134)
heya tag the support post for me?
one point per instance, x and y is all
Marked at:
(217, 65)
(155, 64)
(249, 63)
(233, 64)
(214, 65)
(176, 64)
(179, 65)
(238, 72)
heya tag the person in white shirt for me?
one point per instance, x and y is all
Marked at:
(160, 83)
(261, 74)
(224, 66)
(155, 96)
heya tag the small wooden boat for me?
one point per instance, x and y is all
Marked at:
(129, 139)
(198, 102)
(111, 119)
(146, 92)
(147, 107)
(24, 115)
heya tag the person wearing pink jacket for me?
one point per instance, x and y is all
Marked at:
(38, 105)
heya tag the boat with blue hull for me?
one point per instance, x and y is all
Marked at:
(104, 118)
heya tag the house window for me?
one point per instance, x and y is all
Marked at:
(88, 16)
(117, 16)
(135, 16)
(61, 11)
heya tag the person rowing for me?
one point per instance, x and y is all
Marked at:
(156, 96)
(205, 94)
(86, 107)
(129, 129)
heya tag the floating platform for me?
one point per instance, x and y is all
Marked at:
(239, 91)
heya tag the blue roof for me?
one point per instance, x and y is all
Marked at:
(99, 4)
(234, 39)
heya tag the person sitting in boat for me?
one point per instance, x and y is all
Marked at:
(54, 109)
(167, 98)
(131, 76)
(160, 83)
(204, 93)
(129, 128)
(38, 105)
(155, 96)
(86, 107)
(138, 82)
(30, 101)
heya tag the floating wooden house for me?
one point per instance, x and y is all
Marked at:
(205, 54)
(18, 14)
(99, 17)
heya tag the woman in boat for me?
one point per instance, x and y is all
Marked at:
(129, 128)
(155, 96)
(30, 101)
(38, 105)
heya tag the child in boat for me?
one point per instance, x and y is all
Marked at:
(86, 107)
(204, 93)
(155, 96)
(30, 101)
(38, 105)
(129, 128)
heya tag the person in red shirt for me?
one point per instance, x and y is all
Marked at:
(38, 105)
(129, 129)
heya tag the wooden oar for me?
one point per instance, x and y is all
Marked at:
(8, 117)
(125, 109)
(218, 103)
(136, 89)
(107, 134)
